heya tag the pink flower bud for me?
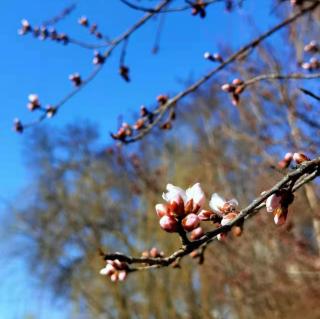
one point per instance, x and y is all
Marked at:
(169, 224)
(122, 275)
(196, 233)
(300, 158)
(237, 82)
(280, 215)
(190, 222)
(273, 202)
(161, 210)
(288, 157)
(227, 88)
(207, 56)
(107, 270)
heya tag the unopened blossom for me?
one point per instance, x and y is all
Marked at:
(300, 158)
(280, 215)
(273, 202)
(115, 269)
(169, 224)
(196, 233)
(51, 111)
(190, 222)
(17, 125)
(278, 205)
(220, 206)
(161, 210)
(285, 162)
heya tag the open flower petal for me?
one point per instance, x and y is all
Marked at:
(196, 194)
(216, 203)
(173, 194)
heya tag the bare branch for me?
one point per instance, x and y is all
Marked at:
(303, 174)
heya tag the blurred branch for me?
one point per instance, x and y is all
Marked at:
(178, 9)
(276, 76)
(303, 174)
(64, 13)
(114, 44)
(307, 92)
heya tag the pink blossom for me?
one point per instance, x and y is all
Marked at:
(220, 206)
(173, 194)
(196, 194)
(273, 202)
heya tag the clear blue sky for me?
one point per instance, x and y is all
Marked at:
(31, 66)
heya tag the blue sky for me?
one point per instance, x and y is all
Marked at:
(32, 66)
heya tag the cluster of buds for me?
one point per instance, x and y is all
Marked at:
(124, 72)
(75, 78)
(145, 119)
(235, 88)
(278, 204)
(98, 58)
(93, 28)
(312, 65)
(199, 8)
(42, 32)
(33, 103)
(312, 47)
(123, 132)
(215, 57)
(299, 158)
(181, 210)
(153, 253)
(184, 211)
(115, 269)
(18, 126)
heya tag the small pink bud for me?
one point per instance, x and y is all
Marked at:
(190, 222)
(161, 210)
(237, 82)
(222, 236)
(196, 233)
(273, 202)
(288, 157)
(227, 88)
(300, 158)
(122, 275)
(280, 215)
(83, 21)
(169, 224)
(17, 126)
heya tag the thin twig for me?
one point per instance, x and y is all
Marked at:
(252, 44)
